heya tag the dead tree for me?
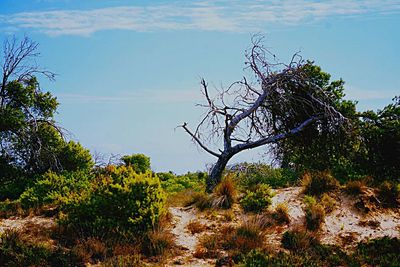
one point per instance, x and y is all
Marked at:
(282, 101)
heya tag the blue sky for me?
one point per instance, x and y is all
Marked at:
(129, 71)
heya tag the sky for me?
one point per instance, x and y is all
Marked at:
(128, 72)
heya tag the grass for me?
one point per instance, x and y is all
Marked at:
(196, 227)
(319, 182)
(224, 194)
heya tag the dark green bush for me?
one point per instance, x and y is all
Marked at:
(389, 194)
(298, 240)
(383, 251)
(73, 157)
(257, 200)
(319, 182)
(122, 203)
(139, 162)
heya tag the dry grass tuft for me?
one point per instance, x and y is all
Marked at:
(224, 194)
(281, 213)
(196, 227)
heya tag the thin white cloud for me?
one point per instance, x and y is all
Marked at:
(151, 96)
(223, 15)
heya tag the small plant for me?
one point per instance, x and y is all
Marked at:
(329, 203)
(380, 252)
(281, 213)
(317, 183)
(354, 188)
(158, 242)
(208, 247)
(315, 216)
(90, 250)
(389, 194)
(195, 227)
(245, 237)
(228, 215)
(257, 200)
(309, 200)
(298, 240)
(200, 200)
(224, 194)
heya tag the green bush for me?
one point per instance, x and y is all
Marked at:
(52, 188)
(250, 175)
(174, 184)
(122, 203)
(319, 182)
(139, 162)
(297, 240)
(257, 200)
(73, 157)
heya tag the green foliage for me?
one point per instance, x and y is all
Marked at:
(73, 157)
(281, 213)
(139, 162)
(52, 188)
(122, 203)
(200, 200)
(297, 240)
(328, 202)
(309, 200)
(257, 200)
(319, 182)
(248, 175)
(380, 252)
(174, 184)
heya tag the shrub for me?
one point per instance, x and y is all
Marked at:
(73, 157)
(389, 194)
(315, 216)
(317, 183)
(57, 188)
(250, 175)
(200, 200)
(195, 227)
(329, 203)
(158, 242)
(224, 194)
(244, 238)
(354, 188)
(208, 247)
(380, 252)
(298, 240)
(257, 200)
(309, 200)
(122, 203)
(139, 162)
(281, 213)
(174, 184)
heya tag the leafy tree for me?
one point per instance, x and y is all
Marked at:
(139, 162)
(283, 101)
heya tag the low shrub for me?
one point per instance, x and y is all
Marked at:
(315, 216)
(224, 193)
(383, 251)
(177, 183)
(244, 238)
(319, 182)
(250, 175)
(328, 202)
(354, 188)
(122, 203)
(208, 247)
(281, 213)
(389, 194)
(158, 242)
(309, 200)
(195, 227)
(200, 200)
(298, 240)
(257, 200)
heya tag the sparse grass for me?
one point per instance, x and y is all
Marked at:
(90, 250)
(200, 200)
(196, 227)
(317, 183)
(224, 194)
(228, 215)
(298, 240)
(245, 237)
(158, 242)
(208, 247)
